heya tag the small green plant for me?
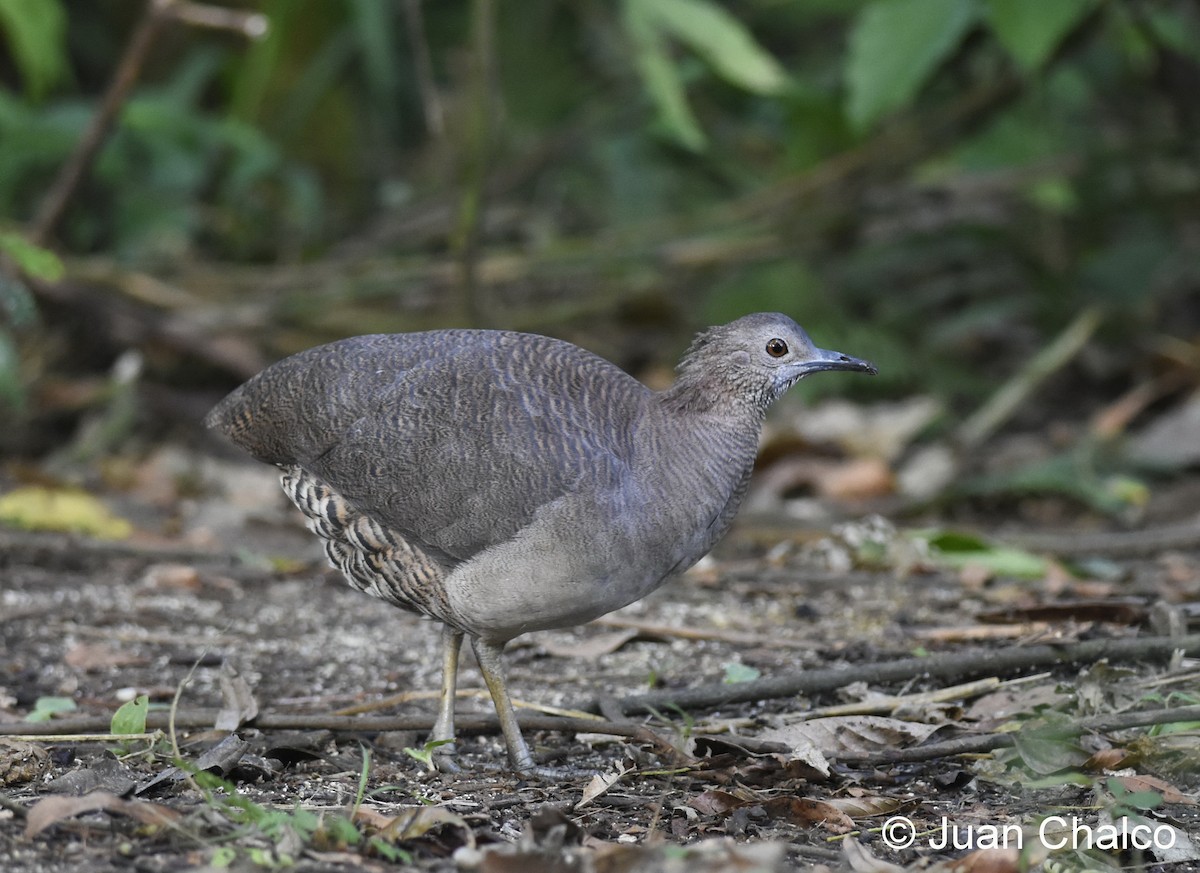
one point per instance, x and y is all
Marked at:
(45, 708)
(689, 723)
(130, 720)
(737, 672)
(1131, 804)
(424, 755)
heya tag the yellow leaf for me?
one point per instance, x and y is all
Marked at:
(37, 508)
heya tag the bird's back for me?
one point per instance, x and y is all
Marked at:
(454, 439)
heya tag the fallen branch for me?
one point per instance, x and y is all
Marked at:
(951, 666)
(1001, 405)
(158, 13)
(981, 743)
(84, 729)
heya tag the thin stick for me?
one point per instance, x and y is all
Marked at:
(980, 744)
(951, 665)
(158, 12)
(431, 106)
(1001, 405)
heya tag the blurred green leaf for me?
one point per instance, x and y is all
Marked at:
(723, 41)
(12, 390)
(45, 708)
(958, 550)
(895, 46)
(714, 35)
(36, 32)
(1049, 746)
(736, 672)
(1032, 29)
(32, 260)
(661, 78)
(130, 717)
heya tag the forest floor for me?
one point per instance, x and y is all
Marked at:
(280, 653)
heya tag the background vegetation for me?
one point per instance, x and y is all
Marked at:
(940, 185)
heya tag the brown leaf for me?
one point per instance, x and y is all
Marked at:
(1170, 794)
(805, 811)
(600, 783)
(715, 802)
(172, 577)
(866, 805)
(988, 861)
(238, 703)
(852, 734)
(1106, 759)
(51, 810)
(860, 860)
(22, 762)
(592, 647)
(414, 823)
(97, 656)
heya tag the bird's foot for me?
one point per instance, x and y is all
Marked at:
(443, 759)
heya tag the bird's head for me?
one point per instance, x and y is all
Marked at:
(754, 359)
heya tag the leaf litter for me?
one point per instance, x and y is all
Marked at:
(246, 639)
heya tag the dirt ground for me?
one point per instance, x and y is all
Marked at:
(220, 626)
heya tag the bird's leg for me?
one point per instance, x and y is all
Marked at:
(491, 665)
(443, 727)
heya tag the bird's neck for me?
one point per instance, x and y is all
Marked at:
(698, 394)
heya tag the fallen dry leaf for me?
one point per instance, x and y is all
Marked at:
(805, 811)
(1170, 794)
(860, 860)
(22, 762)
(414, 823)
(592, 647)
(864, 806)
(238, 704)
(50, 810)
(600, 783)
(851, 734)
(715, 802)
(98, 656)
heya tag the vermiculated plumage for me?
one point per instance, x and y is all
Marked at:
(502, 482)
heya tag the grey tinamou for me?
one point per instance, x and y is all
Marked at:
(503, 482)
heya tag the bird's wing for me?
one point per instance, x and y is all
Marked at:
(452, 438)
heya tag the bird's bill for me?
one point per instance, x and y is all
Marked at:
(824, 359)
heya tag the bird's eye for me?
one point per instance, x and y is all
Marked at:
(776, 348)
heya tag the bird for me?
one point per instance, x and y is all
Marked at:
(501, 482)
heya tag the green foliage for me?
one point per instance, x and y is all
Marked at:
(895, 46)
(714, 35)
(30, 259)
(424, 755)
(1049, 745)
(36, 33)
(1130, 803)
(1031, 29)
(130, 717)
(45, 708)
(736, 672)
(957, 550)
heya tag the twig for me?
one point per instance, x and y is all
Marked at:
(663, 631)
(990, 742)
(1122, 543)
(951, 665)
(1001, 405)
(193, 719)
(892, 702)
(54, 205)
(431, 106)
(477, 152)
(157, 14)
(253, 25)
